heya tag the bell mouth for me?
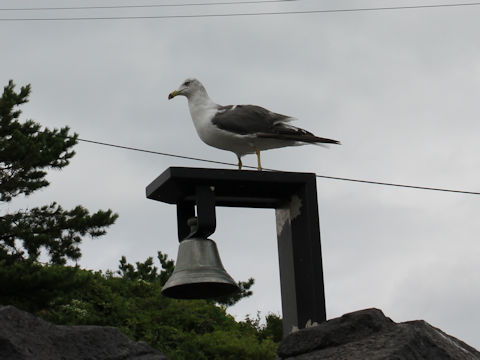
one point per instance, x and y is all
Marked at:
(200, 290)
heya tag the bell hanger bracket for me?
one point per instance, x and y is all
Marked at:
(205, 214)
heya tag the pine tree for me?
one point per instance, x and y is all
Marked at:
(26, 151)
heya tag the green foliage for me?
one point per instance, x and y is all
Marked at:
(182, 329)
(50, 227)
(131, 300)
(32, 286)
(26, 152)
(228, 345)
(243, 293)
(146, 270)
(273, 328)
(25, 149)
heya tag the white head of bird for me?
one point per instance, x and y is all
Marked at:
(189, 88)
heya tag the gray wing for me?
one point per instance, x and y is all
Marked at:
(247, 119)
(255, 120)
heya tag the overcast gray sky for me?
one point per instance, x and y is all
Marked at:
(398, 88)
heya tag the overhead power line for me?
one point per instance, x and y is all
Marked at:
(156, 152)
(253, 167)
(146, 5)
(325, 11)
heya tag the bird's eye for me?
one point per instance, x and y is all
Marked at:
(186, 83)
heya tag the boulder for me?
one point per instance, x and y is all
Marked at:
(26, 337)
(369, 334)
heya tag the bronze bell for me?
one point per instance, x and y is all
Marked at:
(199, 273)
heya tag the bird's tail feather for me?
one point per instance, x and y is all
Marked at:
(311, 139)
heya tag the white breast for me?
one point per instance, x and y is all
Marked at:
(202, 112)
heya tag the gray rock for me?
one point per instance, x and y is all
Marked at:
(369, 334)
(26, 337)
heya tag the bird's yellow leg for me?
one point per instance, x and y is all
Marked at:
(239, 162)
(258, 159)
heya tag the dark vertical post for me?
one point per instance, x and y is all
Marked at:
(300, 258)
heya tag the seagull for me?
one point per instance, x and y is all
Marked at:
(242, 129)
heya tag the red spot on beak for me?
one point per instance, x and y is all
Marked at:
(173, 94)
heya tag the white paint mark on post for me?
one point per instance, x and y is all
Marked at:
(287, 213)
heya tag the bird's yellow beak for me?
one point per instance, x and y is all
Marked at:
(173, 94)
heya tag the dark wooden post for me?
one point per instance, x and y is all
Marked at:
(300, 258)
